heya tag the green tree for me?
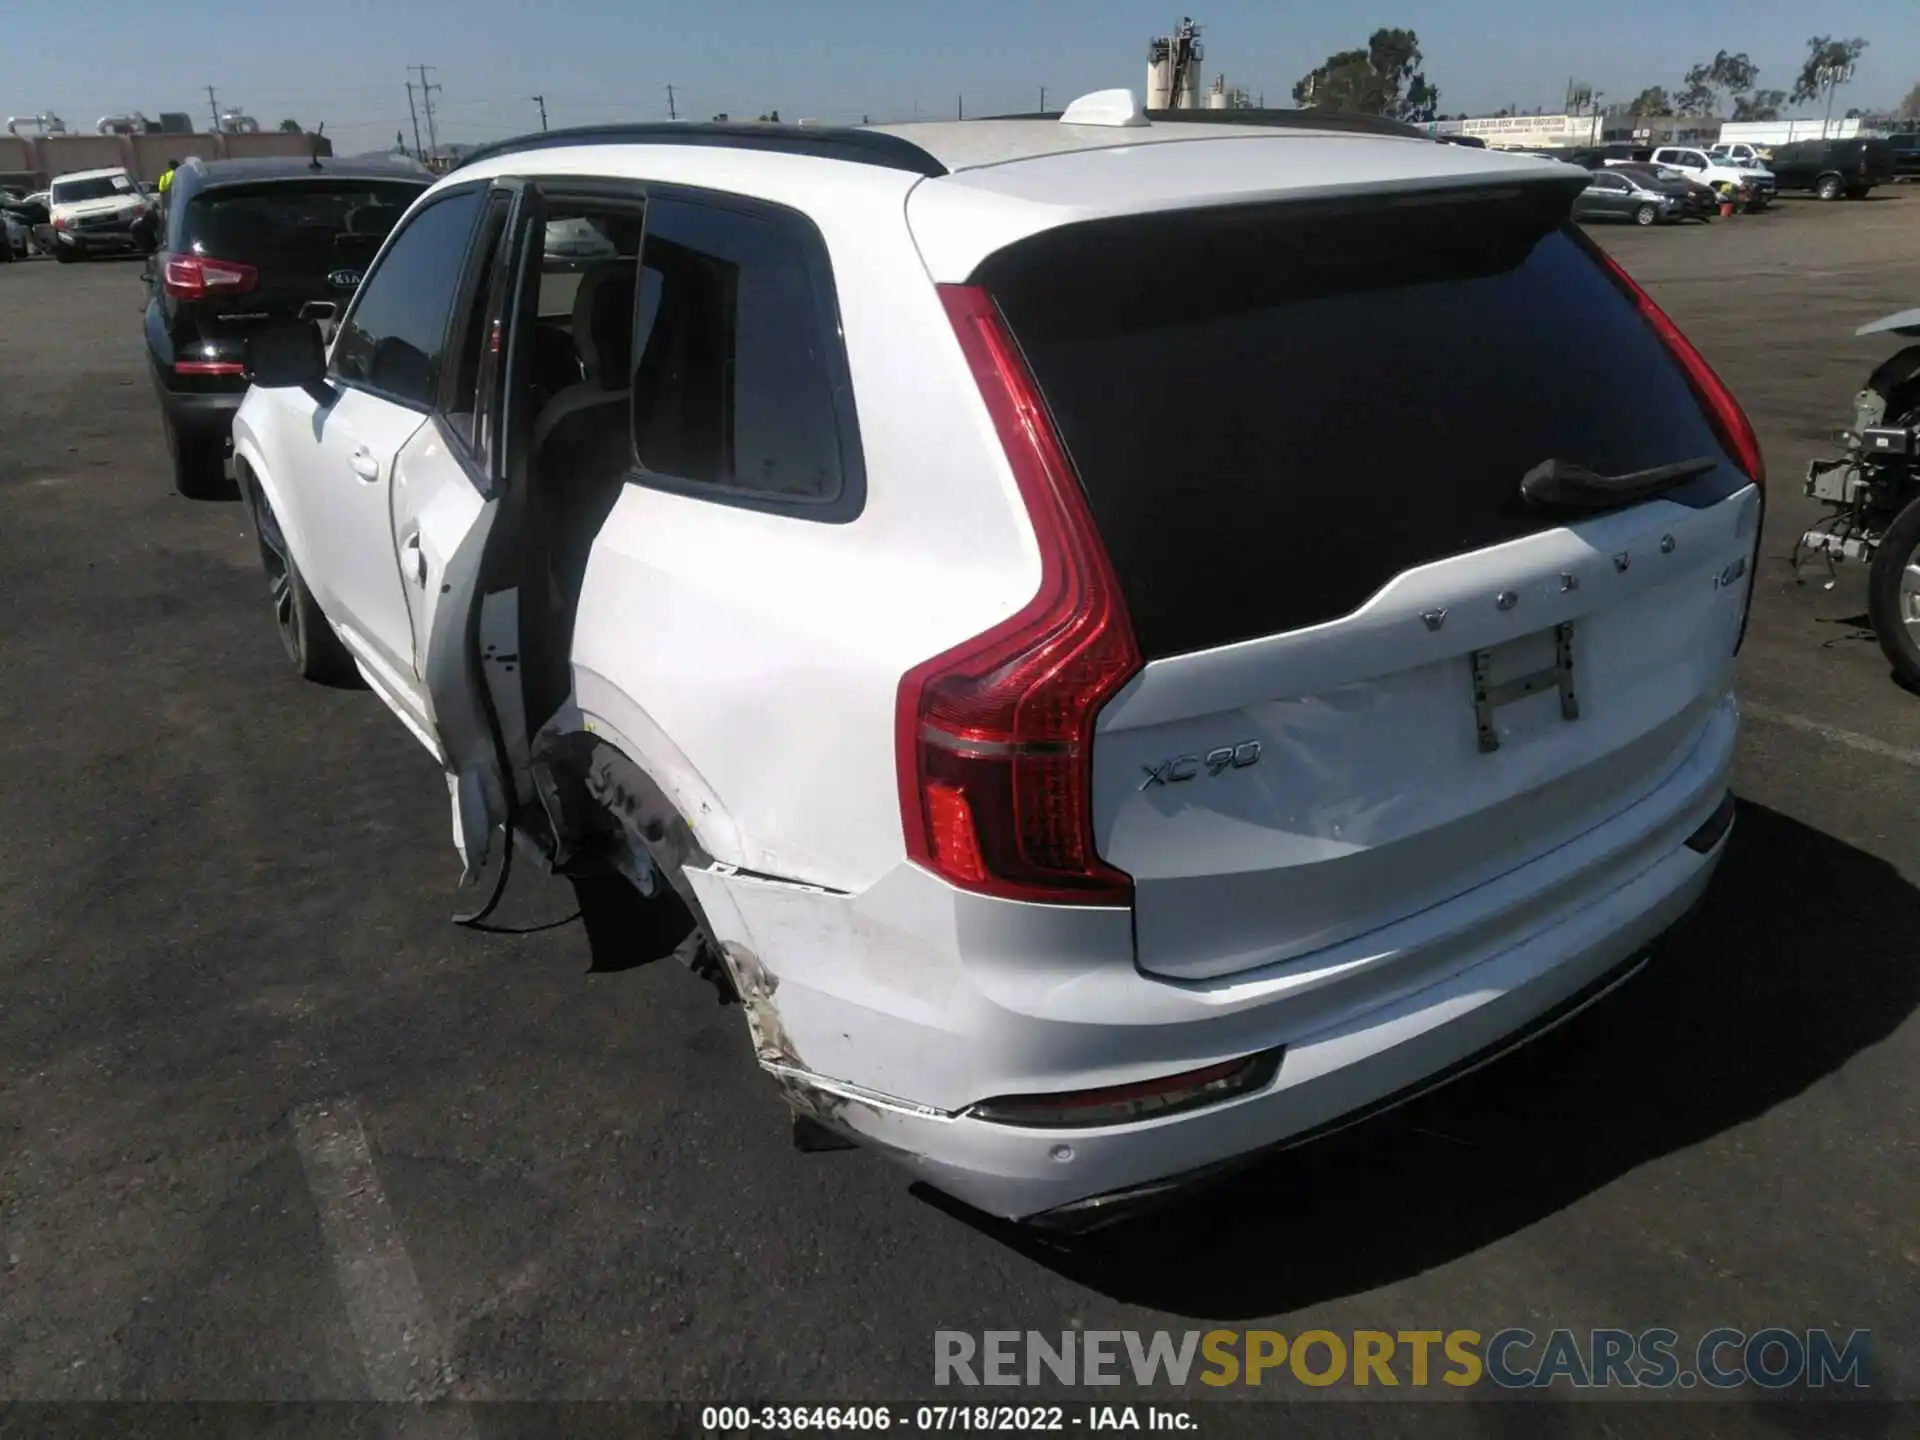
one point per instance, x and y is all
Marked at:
(1705, 84)
(1383, 79)
(1911, 105)
(772, 117)
(291, 126)
(1761, 105)
(1829, 65)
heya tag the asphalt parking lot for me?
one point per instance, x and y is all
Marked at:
(224, 932)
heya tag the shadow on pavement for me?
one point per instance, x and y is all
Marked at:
(1802, 954)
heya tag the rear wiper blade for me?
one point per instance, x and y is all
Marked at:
(1568, 485)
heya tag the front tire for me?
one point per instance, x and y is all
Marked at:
(1893, 595)
(65, 254)
(316, 652)
(1829, 188)
(1646, 215)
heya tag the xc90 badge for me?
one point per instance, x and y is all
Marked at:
(1182, 768)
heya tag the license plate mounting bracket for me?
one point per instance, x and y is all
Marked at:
(1489, 697)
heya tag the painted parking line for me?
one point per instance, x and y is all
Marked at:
(400, 1348)
(1866, 744)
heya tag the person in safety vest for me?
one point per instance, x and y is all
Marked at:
(166, 177)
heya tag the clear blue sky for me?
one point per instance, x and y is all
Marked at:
(344, 61)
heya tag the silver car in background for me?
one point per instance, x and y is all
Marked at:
(1611, 195)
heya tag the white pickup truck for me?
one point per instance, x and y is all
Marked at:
(1738, 152)
(1721, 173)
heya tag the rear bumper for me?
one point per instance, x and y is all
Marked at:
(1327, 1080)
(1098, 1210)
(911, 990)
(96, 242)
(201, 413)
(196, 412)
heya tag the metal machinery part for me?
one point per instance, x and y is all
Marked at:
(1866, 487)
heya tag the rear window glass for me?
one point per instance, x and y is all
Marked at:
(99, 187)
(1276, 410)
(295, 223)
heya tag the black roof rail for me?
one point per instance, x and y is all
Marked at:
(825, 142)
(1272, 119)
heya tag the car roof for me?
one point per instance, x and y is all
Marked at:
(295, 167)
(978, 185)
(90, 174)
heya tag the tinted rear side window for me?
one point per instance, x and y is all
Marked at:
(1276, 410)
(393, 338)
(294, 224)
(739, 384)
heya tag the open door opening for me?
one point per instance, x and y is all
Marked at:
(495, 547)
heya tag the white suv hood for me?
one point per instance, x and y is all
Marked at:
(131, 204)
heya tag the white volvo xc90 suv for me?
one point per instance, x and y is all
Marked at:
(1136, 642)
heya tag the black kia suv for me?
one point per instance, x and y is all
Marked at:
(241, 243)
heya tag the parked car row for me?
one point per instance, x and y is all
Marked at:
(1655, 185)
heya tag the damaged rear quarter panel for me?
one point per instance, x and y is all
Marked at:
(830, 988)
(896, 992)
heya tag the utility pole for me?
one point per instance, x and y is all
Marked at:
(426, 103)
(418, 153)
(959, 107)
(541, 101)
(672, 112)
(1043, 99)
(213, 108)
(1833, 77)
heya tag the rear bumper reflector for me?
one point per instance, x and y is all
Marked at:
(1082, 1217)
(1715, 830)
(1144, 1100)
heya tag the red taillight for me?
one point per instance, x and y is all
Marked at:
(995, 737)
(192, 277)
(1729, 421)
(208, 367)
